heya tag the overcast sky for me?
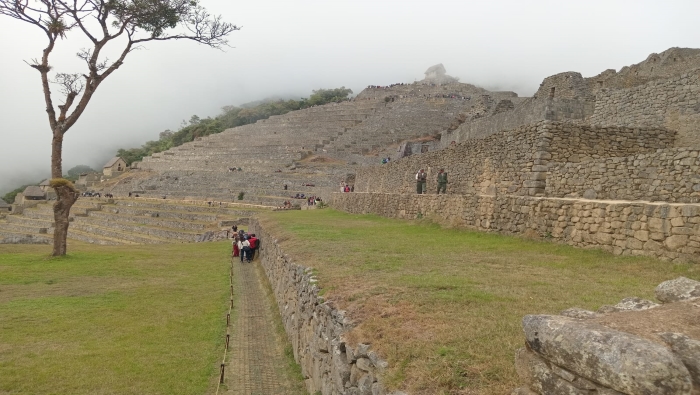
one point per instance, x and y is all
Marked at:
(289, 47)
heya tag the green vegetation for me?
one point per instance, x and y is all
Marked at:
(76, 171)
(230, 118)
(444, 306)
(119, 320)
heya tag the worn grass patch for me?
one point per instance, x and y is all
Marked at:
(112, 320)
(444, 306)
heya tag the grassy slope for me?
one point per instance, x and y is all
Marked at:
(112, 320)
(445, 305)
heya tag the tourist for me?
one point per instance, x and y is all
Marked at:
(245, 249)
(236, 249)
(421, 178)
(253, 241)
(442, 181)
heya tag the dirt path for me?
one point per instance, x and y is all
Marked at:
(257, 363)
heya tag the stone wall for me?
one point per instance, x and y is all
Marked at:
(670, 103)
(671, 175)
(512, 162)
(634, 347)
(316, 328)
(666, 231)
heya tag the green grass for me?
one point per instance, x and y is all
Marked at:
(444, 306)
(112, 320)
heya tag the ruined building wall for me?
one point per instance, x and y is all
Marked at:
(670, 175)
(671, 103)
(513, 162)
(526, 112)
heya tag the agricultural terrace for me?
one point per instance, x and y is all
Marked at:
(444, 306)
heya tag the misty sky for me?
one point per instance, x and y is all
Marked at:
(293, 46)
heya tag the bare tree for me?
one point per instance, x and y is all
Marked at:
(127, 24)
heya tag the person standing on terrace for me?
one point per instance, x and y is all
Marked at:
(421, 178)
(442, 182)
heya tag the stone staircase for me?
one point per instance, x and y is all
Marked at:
(125, 221)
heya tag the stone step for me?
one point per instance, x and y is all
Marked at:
(125, 237)
(153, 220)
(169, 234)
(92, 238)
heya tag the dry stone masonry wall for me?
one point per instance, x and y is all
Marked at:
(672, 103)
(667, 231)
(634, 347)
(513, 162)
(316, 329)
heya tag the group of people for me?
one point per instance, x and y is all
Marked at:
(422, 178)
(98, 194)
(385, 87)
(313, 200)
(447, 96)
(244, 245)
(347, 188)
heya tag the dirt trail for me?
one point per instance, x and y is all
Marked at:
(257, 363)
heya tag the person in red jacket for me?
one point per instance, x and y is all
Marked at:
(253, 246)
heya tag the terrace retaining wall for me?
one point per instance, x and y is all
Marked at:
(663, 230)
(316, 328)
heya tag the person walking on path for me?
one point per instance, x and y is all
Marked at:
(442, 181)
(421, 178)
(236, 250)
(253, 246)
(245, 250)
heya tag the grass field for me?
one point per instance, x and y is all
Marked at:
(112, 320)
(444, 306)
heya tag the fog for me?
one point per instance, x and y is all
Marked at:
(288, 48)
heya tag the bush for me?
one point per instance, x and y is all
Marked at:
(241, 195)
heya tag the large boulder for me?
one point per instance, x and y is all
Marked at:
(617, 360)
(677, 289)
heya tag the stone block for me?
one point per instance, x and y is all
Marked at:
(617, 360)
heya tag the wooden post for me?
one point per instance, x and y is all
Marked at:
(221, 379)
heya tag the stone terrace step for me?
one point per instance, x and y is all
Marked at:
(92, 238)
(150, 220)
(108, 232)
(158, 232)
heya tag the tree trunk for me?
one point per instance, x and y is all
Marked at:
(66, 195)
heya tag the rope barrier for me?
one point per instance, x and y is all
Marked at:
(222, 368)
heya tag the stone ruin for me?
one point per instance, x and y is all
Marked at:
(438, 75)
(610, 162)
(634, 347)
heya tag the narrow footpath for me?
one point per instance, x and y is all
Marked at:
(257, 364)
